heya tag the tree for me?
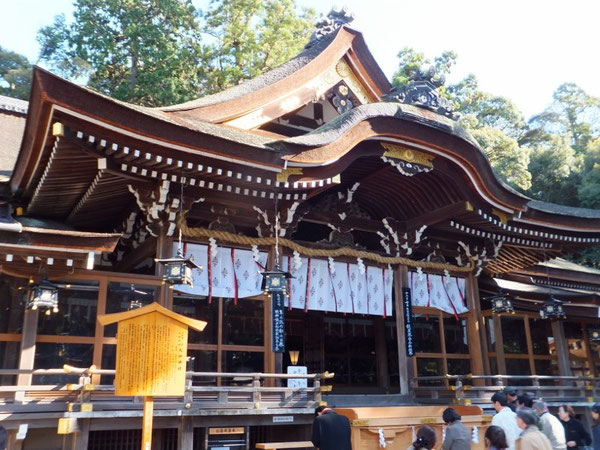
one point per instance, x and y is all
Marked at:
(143, 51)
(555, 170)
(589, 188)
(495, 122)
(490, 110)
(572, 111)
(506, 157)
(15, 75)
(411, 61)
(249, 37)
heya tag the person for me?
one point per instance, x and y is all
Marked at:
(524, 399)
(505, 419)
(550, 426)
(531, 437)
(575, 433)
(425, 439)
(596, 426)
(495, 438)
(457, 435)
(3, 438)
(330, 431)
(511, 396)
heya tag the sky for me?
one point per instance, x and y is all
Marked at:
(519, 49)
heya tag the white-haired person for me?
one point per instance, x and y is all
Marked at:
(531, 437)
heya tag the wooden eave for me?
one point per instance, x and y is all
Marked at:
(445, 144)
(51, 94)
(59, 251)
(347, 43)
(62, 239)
(561, 274)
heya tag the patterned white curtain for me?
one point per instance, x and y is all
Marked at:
(340, 287)
(230, 268)
(438, 291)
(318, 284)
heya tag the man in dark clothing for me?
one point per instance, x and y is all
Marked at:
(3, 438)
(330, 430)
(511, 396)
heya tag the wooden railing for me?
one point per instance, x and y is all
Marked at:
(204, 390)
(478, 389)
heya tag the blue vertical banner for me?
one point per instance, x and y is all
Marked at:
(408, 325)
(278, 322)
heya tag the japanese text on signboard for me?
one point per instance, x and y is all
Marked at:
(278, 322)
(408, 328)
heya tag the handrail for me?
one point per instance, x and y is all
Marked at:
(578, 388)
(283, 376)
(251, 390)
(495, 377)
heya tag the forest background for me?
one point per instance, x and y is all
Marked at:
(162, 52)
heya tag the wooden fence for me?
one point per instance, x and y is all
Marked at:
(478, 389)
(204, 391)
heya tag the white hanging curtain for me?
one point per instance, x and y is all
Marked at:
(318, 284)
(233, 271)
(438, 291)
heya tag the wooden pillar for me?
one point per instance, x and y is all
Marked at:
(13, 443)
(383, 375)
(562, 348)
(476, 349)
(99, 334)
(164, 249)
(405, 363)
(499, 345)
(27, 358)
(81, 438)
(273, 361)
(185, 433)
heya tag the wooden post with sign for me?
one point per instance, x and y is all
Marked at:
(151, 356)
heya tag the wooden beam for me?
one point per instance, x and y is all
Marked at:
(372, 226)
(139, 254)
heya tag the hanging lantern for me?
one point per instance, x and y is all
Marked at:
(594, 335)
(275, 281)
(501, 304)
(179, 270)
(552, 309)
(42, 295)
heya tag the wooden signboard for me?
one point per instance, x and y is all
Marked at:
(151, 356)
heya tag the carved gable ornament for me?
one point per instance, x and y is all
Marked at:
(408, 161)
(423, 91)
(334, 20)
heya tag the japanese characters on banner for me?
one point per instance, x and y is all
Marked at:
(335, 286)
(438, 291)
(234, 272)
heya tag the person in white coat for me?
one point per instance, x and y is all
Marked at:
(505, 419)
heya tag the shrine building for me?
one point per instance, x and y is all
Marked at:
(417, 276)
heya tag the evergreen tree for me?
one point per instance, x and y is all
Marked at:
(249, 37)
(15, 75)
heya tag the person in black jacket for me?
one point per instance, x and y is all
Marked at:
(330, 430)
(596, 426)
(575, 433)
